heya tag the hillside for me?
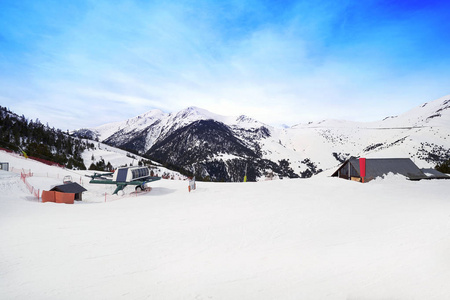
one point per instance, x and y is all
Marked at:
(222, 148)
(422, 134)
(20, 134)
(52, 146)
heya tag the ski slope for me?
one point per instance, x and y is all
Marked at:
(317, 238)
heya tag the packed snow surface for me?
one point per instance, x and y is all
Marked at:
(318, 238)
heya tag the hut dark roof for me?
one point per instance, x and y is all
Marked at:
(72, 187)
(435, 174)
(376, 167)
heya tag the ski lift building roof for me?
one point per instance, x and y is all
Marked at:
(434, 174)
(377, 167)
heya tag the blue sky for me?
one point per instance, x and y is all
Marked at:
(84, 63)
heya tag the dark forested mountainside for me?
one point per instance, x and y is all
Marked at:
(193, 148)
(198, 141)
(17, 133)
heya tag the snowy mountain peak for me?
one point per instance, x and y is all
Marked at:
(146, 118)
(433, 113)
(245, 119)
(152, 114)
(217, 145)
(247, 122)
(194, 112)
(328, 123)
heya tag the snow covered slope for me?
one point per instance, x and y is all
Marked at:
(422, 134)
(290, 239)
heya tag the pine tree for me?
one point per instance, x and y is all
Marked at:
(444, 167)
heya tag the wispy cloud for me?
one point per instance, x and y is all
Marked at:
(104, 61)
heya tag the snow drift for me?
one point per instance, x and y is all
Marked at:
(318, 238)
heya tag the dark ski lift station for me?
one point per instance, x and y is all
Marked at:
(131, 174)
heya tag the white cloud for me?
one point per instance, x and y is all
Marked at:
(117, 60)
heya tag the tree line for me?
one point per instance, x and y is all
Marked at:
(17, 133)
(444, 167)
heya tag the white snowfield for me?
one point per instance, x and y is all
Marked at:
(318, 238)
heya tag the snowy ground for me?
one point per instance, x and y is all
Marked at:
(318, 238)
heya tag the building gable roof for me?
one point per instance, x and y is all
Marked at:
(432, 173)
(376, 167)
(72, 187)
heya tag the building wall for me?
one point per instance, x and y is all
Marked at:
(4, 166)
(348, 171)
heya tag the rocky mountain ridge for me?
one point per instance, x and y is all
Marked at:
(223, 148)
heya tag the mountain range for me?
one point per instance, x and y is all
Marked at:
(223, 148)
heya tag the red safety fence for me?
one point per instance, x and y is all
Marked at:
(44, 174)
(44, 161)
(7, 150)
(47, 162)
(31, 189)
(26, 174)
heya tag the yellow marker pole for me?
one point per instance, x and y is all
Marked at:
(245, 176)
